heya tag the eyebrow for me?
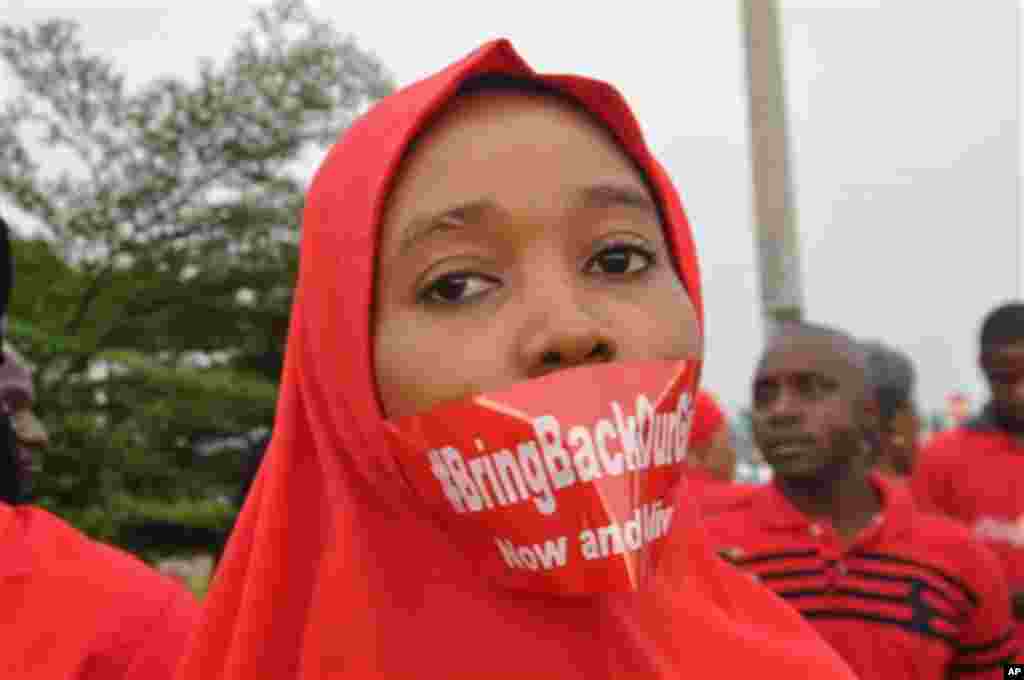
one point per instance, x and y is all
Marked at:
(795, 375)
(594, 196)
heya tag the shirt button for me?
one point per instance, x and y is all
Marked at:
(815, 530)
(841, 569)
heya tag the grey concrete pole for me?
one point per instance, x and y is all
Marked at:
(774, 209)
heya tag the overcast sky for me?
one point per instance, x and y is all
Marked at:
(903, 120)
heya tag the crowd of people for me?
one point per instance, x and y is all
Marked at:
(492, 456)
(848, 531)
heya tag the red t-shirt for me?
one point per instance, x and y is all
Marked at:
(712, 495)
(75, 609)
(913, 596)
(976, 474)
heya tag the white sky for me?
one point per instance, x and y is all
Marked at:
(904, 123)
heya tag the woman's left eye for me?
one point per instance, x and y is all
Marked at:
(621, 260)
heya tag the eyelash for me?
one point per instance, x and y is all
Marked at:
(426, 293)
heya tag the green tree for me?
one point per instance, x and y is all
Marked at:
(155, 305)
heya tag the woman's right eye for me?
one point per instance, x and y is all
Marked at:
(457, 288)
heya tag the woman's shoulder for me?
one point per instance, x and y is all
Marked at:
(62, 555)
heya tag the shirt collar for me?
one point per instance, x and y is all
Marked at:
(897, 507)
(984, 421)
(776, 512)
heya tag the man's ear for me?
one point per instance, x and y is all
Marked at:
(869, 417)
(869, 414)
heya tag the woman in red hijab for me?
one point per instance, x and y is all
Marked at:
(482, 255)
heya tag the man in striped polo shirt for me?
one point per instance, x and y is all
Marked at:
(897, 592)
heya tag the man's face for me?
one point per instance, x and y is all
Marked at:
(808, 405)
(16, 400)
(1003, 366)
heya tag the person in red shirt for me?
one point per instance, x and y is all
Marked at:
(975, 473)
(893, 378)
(899, 593)
(712, 458)
(711, 446)
(481, 235)
(71, 608)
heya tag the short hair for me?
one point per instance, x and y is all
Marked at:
(837, 335)
(892, 378)
(814, 329)
(839, 338)
(1004, 325)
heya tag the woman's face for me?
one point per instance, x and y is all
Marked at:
(518, 240)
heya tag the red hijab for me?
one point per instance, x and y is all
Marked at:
(333, 572)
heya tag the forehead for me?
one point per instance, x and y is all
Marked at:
(796, 354)
(518, 149)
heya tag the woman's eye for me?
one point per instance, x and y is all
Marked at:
(622, 259)
(456, 288)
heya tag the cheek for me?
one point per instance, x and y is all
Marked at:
(663, 325)
(410, 366)
(839, 427)
(907, 427)
(388, 371)
(420, 363)
(757, 425)
(824, 422)
(1015, 392)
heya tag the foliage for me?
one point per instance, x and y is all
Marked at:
(154, 304)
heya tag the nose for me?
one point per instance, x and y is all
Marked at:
(785, 410)
(564, 334)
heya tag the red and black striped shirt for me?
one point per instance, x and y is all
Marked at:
(912, 596)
